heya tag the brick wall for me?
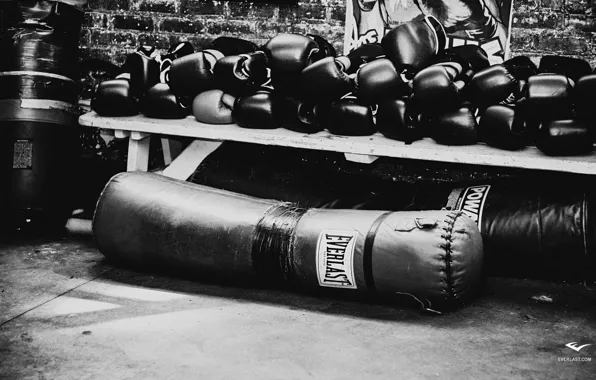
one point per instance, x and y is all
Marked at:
(566, 27)
(115, 27)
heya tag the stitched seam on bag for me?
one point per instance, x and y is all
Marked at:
(447, 246)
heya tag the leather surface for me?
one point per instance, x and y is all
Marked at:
(145, 218)
(213, 107)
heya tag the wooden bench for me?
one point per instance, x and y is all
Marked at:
(365, 149)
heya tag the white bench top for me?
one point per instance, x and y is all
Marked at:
(376, 145)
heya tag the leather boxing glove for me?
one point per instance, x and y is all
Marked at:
(499, 127)
(232, 46)
(454, 127)
(288, 54)
(347, 117)
(573, 68)
(257, 111)
(159, 102)
(363, 54)
(522, 67)
(298, 115)
(94, 71)
(475, 56)
(395, 120)
(143, 70)
(114, 97)
(175, 51)
(441, 86)
(325, 49)
(192, 74)
(500, 83)
(584, 98)
(326, 80)
(213, 107)
(330, 78)
(564, 138)
(241, 74)
(378, 80)
(547, 97)
(412, 45)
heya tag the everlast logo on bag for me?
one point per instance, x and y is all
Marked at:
(471, 202)
(335, 255)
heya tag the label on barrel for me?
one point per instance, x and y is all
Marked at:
(335, 259)
(470, 201)
(23, 154)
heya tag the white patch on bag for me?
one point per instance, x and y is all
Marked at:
(335, 259)
(470, 201)
(22, 157)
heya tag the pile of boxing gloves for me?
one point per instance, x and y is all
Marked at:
(408, 87)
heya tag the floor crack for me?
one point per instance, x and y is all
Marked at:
(53, 298)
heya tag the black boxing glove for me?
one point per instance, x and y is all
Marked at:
(501, 83)
(475, 56)
(93, 72)
(573, 68)
(499, 127)
(175, 51)
(584, 98)
(413, 45)
(457, 126)
(441, 86)
(564, 138)
(362, 55)
(325, 48)
(287, 55)
(232, 46)
(298, 115)
(347, 117)
(396, 120)
(114, 97)
(160, 103)
(240, 75)
(326, 80)
(547, 97)
(257, 111)
(143, 70)
(192, 74)
(379, 80)
(330, 78)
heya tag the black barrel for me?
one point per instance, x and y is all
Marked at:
(39, 132)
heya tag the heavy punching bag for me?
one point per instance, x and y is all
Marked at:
(530, 230)
(434, 257)
(38, 115)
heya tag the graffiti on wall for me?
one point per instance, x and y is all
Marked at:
(480, 22)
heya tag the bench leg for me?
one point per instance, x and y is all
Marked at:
(167, 152)
(187, 162)
(171, 149)
(138, 152)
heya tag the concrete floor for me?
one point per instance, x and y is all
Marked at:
(67, 314)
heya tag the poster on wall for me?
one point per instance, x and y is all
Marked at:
(481, 22)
